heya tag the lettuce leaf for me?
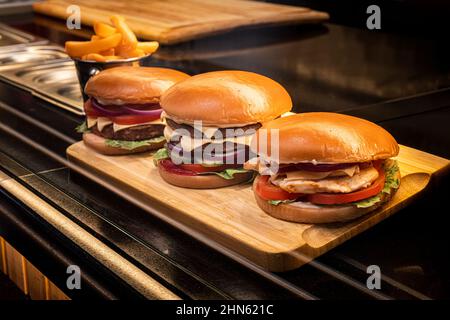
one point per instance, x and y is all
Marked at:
(161, 154)
(391, 182)
(130, 145)
(366, 203)
(228, 174)
(277, 202)
(82, 127)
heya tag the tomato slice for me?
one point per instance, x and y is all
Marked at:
(198, 168)
(133, 119)
(192, 169)
(340, 198)
(377, 164)
(267, 191)
(169, 166)
(89, 110)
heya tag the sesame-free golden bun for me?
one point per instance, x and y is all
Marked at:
(324, 137)
(134, 85)
(226, 98)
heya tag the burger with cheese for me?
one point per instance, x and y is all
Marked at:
(323, 167)
(211, 119)
(123, 110)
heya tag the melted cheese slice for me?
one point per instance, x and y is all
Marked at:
(91, 122)
(209, 132)
(188, 144)
(103, 122)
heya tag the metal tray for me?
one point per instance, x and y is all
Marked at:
(12, 38)
(21, 56)
(8, 7)
(54, 81)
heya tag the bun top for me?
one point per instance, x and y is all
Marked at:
(130, 84)
(325, 137)
(226, 98)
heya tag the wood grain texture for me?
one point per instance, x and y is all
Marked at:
(27, 277)
(14, 266)
(173, 21)
(3, 266)
(231, 217)
(36, 282)
(54, 293)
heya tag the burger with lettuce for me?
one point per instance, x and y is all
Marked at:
(211, 119)
(323, 167)
(123, 112)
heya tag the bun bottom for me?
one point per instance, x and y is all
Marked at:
(202, 181)
(322, 214)
(98, 143)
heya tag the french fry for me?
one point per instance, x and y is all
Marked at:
(99, 58)
(136, 53)
(129, 40)
(108, 58)
(111, 43)
(130, 53)
(148, 47)
(95, 57)
(124, 51)
(109, 52)
(104, 30)
(139, 53)
(80, 48)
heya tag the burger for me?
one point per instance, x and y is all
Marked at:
(323, 167)
(123, 114)
(211, 119)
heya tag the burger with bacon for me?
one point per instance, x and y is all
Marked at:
(211, 119)
(323, 167)
(123, 114)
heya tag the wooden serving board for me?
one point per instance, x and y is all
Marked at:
(172, 21)
(231, 217)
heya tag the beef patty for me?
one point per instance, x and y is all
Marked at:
(135, 133)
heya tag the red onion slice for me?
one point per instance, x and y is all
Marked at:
(315, 167)
(230, 157)
(113, 111)
(104, 111)
(155, 112)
